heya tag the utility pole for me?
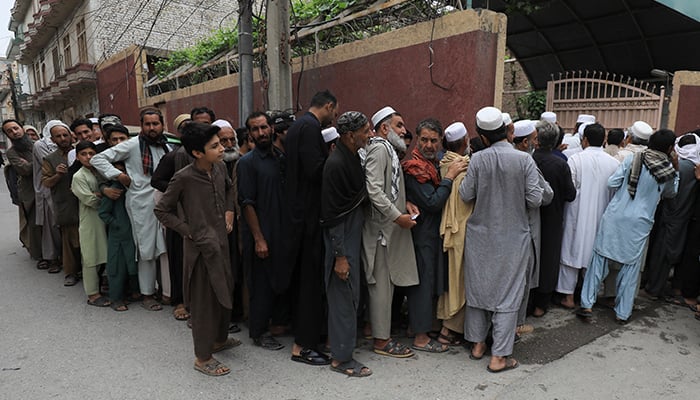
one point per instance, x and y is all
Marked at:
(245, 60)
(278, 57)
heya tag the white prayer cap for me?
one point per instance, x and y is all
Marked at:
(641, 130)
(524, 127)
(94, 120)
(330, 134)
(585, 118)
(549, 117)
(381, 115)
(489, 118)
(507, 119)
(582, 127)
(222, 123)
(455, 131)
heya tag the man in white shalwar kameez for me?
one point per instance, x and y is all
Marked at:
(141, 156)
(503, 183)
(50, 235)
(590, 170)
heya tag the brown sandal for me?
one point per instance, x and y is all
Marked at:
(180, 313)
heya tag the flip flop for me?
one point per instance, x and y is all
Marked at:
(432, 346)
(210, 367)
(99, 302)
(508, 366)
(151, 304)
(353, 366)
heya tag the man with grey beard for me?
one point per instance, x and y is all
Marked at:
(386, 234)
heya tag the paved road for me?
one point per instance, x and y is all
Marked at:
(55, 346)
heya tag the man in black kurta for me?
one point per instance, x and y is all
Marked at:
(342, 216)
(306, 155)
(557, 173)
(262, 202)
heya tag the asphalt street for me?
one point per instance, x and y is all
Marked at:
(55, 346)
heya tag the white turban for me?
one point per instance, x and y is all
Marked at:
(46, 132)
(222, 123)
(691, 151)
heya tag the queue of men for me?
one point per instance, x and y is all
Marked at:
(321, 224)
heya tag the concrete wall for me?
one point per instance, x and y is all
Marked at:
(387, 69)
(685, 102)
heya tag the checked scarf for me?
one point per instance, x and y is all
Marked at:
(421, 168)
(658, 164)
(395, 164)
(145, 144)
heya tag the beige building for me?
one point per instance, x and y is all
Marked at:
(60, 43)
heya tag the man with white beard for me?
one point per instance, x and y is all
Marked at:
(386, 233)
(227, 137)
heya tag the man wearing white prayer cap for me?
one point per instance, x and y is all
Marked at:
(506, 183)
(549, 117)
(389, 124)
(525, 136)
(330, 136)
(637, 138)
(526, 140)
(576, 138)
(508, 121)
(386, 233)
(450, 306)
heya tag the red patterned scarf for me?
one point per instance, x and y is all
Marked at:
(421, 168)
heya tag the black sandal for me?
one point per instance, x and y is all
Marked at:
(352, 368)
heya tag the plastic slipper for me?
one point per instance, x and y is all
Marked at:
(119, 306)
(210, 368)
(352, 368)
(584, 313)
(42, 264)
(393, 348)
(311, 357)
(432, 346)
(512, 365)
(450, 340)
(151, 304)
(99, 302)
(228, 344)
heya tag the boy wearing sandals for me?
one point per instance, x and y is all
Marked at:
(203, 192)
(121, 263)
(343, 198)
(93, 235)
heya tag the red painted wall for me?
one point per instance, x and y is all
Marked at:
(687, 118)
(465, 64)
(117, 91)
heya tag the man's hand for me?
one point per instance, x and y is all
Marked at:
(405, 221)
(674, 160)
(563, 147)
(455, 169)
(261, 249)
(112, 193)
(342, 268)
(124, 179)
(412, 208)
(229, 221)
(61, 169)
